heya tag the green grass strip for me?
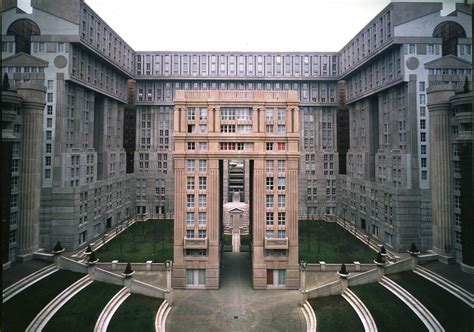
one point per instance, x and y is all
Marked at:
(334, 313)
(137, 313)
(389, 312)
(143, 241)
(452, 313)
(20, 310)
(329, 242)
(82, 311)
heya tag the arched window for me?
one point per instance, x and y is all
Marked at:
(449, 32)
(23, 29)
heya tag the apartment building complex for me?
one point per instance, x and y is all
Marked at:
(362, 151)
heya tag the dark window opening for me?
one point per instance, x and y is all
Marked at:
(23, 29)
(449, 32)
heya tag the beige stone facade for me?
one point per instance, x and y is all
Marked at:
(261, 127)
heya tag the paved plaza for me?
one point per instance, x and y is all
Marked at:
(236, 306)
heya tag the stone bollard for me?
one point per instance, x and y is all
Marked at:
(357, 266)
(323, 266)
(114, 265)
(148, 265)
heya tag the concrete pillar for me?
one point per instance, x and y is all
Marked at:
(30, 169)
(441, 168)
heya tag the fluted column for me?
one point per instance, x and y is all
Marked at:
(441, 182)
(30, 169)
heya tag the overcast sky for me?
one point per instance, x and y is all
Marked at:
(239, 25)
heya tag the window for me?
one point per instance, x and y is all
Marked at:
(281, 129)
(422, 124)
(423, 137)
(269, 218)
(422, 86)
(422, 99)
(49, 122)
(49, 135)
(203, 146)
(190, 164)
(424, 175)
(281, 183)
(203, 114)
(281, 146)
(50, 85)
(202, 201)
(202, 218)
(422, 111)
(202, 128)
(190, 233)
(269, 114)
(269, 146)
(12, 236)
(13, 200)
(191, 114)
(281, 166)
(269, 201)
(191, 146)
(411, 49)
(281, 234)
(375, 230)
(60, 47)
(190, 183)
(423, 162)
(423, 149)
(49, 97)
(269, 182)
(190, 200)
(281, 114)
(202, 166)
(281, 201)
(202, 183)
(202, 234)
(281, 218)
(49, 110)
(190, 218)
(269, 128)
(195, 277)
(47, 160)
(269, 166)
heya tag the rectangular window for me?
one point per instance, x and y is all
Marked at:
(190, 165)
(269, 128)
(422, 99)
(202, 183)
(269, 201)
(281, 129)
(423, 162)
(47, 160)
(190, 233)
(190, 200)
(422, 86)
(281, 146)
(202, 218)
(269, 182)
(269, 218)
(269, 114)
(281, 183)
(281, 114)
(423, 149)
(281, 218)
(423, 137)
(281, 201)
(269, 166)
(281, 166)
(190, 183)
(424, 175)
(191, 114)
(422, 111)
(202, 201)
(202, 166)
(49, 97)
(190, 218)
(203, 114)
(422, 124)
(269, 146)
(202, 234)
(191, 146)
(203, 146)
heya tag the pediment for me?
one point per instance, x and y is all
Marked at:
(448, 61)
(23, 59)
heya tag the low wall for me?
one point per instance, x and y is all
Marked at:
(138, 287)
(367, 277)
(404, 265)
(116, 266)
(333, 288)
(65, 263)
(105, 276)
(43, 256)
(351, 267)
(425, 258)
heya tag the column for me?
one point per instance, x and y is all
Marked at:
(30, 169)
(441, 185)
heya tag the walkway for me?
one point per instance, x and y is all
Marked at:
(236, 306)
(18, 271)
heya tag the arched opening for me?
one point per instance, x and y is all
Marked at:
(23, 29)
(449, 32)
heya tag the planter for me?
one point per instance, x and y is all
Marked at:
(57, 252)
(128, 275)
(379, 263)
(91, 263)
(343, 275)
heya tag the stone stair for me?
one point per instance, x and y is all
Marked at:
(447, 285)
(43, 317)
(361, 310)
(309, 316)
(109, 310)
(161, 316)
(26, 282)
(416, 306)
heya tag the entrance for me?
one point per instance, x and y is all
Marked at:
(108, 223)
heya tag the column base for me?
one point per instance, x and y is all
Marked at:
(446, 258)
(466, 268)
(24, 257)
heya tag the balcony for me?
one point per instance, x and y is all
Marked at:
(276, 243)
(195, 243)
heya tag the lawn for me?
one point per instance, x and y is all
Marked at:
(329, 242)
(20, 310)
(389, 313)
(137, 313)
(452, 313)
(82, 311)
(334, 313)
(143, 241)
(244, 240)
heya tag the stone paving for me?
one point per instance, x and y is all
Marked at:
(236, 306)
(453, 273)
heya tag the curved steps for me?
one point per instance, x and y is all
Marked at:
(361, 310)
(309, 316)
(447, 285)
(418, 308)
(43, 317)
(110, 309)
(161, 316)
(26, 282)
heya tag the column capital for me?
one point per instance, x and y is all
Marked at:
(439, 107)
